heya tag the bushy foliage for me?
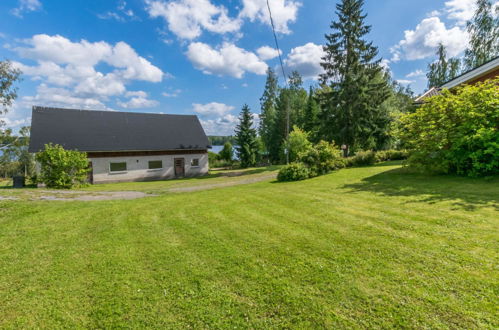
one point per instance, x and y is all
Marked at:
(227, 152)
(297, 143)
(60, 168)
(362, 158)
(323, 158)
(456, 132)
(385, 155)
(293, 172)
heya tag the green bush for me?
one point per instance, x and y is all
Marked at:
(363, 158)
(322, 158)
(456, 132)
(60, 168)
(385, 155)
(293, 172)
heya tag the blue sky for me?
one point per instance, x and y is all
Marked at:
(203, 57)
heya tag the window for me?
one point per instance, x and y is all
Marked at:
(155, 164)
(195, 162)
(117, 167)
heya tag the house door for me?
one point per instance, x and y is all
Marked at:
(179, 167)
(90, 174)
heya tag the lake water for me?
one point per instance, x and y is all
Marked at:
(216, 149)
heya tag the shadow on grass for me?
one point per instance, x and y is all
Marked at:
(463, 192)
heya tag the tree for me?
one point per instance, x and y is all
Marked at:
(484, 35)
(247, 146)
(456, 132)
(60, 168)
(352, 73)
(310, 117)
(268, 111)
(297, 143)
(443, 69)
(8, 93)
(226, 153)
(297, 100)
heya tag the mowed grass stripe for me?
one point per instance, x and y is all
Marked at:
(341, 250)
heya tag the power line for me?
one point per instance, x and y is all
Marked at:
(284, 76)
(277, 45)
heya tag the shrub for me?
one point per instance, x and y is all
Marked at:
(323, 158)
(293, 172)
(60, 168)
(456, 132)
(297, 143)
(363, 158)
(385, 155)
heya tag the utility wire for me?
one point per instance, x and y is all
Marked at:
(284, 76)
(277, 45)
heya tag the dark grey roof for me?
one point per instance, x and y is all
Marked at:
(91, 130)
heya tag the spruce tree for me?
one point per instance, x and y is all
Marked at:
(484, 35)
(443, 69)
(268, 109)
(247, 146)
(351, 72)
(311, 114)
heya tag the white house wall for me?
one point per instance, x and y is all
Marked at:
(137, 168)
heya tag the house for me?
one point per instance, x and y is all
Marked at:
(124, 146)
(489, 70)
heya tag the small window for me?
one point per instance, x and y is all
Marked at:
(195, 162)
(117, 167)
(155, 164)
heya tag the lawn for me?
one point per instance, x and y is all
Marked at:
(362, 248)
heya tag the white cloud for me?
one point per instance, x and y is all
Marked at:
(385, 64)
(72, 65)
(174, 93)
(188, 18)
(267, 53)
(224, 125)
(423, 41)
(26, 6)
(460, 10)
(405, 81)
(122, 14)
(284, 12)
(306, 60)
(416, 74)
(212, 108)
(138, 103)
(62, 97)
(228, 60)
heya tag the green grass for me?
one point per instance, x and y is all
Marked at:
(360, 248)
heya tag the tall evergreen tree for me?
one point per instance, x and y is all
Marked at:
(298, 100)
(247, 146)
(311, 114)
(484, 32)
(351, 72)
(443, 69)
(268, 109)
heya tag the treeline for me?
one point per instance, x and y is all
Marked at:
(355, 104)
(216, 140)
(14, 156)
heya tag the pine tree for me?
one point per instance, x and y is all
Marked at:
(246, 138)
(311, 114)
(268, 109)
(443, 69)
(351, 72)
(484, 32)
